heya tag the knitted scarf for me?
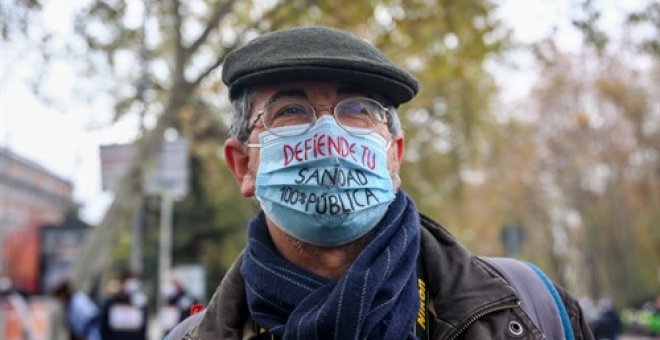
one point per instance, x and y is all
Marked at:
(376, 298)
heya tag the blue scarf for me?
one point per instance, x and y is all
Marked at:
(376, 298)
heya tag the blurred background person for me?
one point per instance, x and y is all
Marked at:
(13, 302)
(82, 313)
(178, 304)
(589, 310)
(124, 312)
(653, 308)
(608, 322)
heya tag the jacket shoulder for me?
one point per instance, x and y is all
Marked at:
(439, 233)
(462, 286)
(225, 315)
(182, 330)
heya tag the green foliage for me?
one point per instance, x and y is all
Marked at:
(591, 194)
(588, 25)
(650, 16)
(210, 223)
(15, 17)
(446, 44)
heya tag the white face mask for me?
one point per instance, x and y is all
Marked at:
(132, 285)
(168, 289)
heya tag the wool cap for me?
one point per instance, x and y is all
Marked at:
(316, 54)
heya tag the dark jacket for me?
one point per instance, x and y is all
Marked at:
(108, 333)
(467, 299)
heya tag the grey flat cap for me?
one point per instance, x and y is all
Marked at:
(316, 53)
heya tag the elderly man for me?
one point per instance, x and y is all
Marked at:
(338, 251)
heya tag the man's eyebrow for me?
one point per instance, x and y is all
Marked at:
(284, 94)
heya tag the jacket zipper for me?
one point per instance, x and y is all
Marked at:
(481, 314)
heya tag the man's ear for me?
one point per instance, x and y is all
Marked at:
(398, 144)
(395, 157)
(238, 160)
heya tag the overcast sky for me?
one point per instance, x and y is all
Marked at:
(65, 137)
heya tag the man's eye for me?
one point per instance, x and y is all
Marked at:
(292, 109)
(356, 109)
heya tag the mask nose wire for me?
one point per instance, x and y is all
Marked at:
(318, 109)
(328, 108)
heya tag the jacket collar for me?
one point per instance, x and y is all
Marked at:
(227, 312)
(460, 287)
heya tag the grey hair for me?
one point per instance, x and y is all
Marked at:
(240, 120)
(242, 105)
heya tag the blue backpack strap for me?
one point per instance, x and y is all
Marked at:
(565, 321)
(537, 296)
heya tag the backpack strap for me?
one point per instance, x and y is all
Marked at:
(538, 296)
(561, 308)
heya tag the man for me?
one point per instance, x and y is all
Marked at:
(178, 303)
(338, 251)
(124, 313)
(81, 311)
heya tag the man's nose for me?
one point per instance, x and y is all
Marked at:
(321, 110)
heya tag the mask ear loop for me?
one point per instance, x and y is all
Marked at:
(389, 144)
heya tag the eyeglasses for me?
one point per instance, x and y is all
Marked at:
(356, 115)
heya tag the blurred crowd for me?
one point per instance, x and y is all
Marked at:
(123, 311)
(607, 322)
(644, 321)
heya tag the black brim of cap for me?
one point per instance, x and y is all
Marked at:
(392, 89)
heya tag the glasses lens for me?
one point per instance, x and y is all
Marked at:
(284, 114)
(360, 113)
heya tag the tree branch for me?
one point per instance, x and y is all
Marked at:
(95, 252)
(222, 56)
(179, 49)
(219, 13)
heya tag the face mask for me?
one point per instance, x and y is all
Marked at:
(325, 187)
(168, 289)
(131, 285)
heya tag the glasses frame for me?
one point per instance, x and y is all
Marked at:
(387, 116)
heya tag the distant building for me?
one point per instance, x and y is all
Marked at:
(30, 197)
(30, 194)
